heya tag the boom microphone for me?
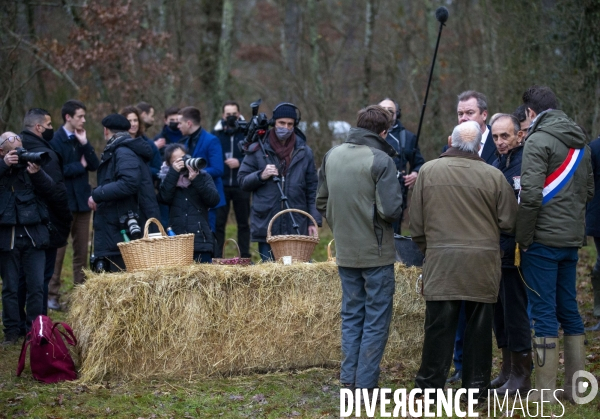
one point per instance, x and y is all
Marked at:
(441, 14)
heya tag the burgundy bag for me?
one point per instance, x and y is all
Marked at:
(49, 357)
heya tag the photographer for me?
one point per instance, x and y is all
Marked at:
(23, 234)
(189, 194)
(124, 198)
(409, 155)
(290, 158)
(229, 134)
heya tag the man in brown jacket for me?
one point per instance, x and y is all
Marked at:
(459, 206)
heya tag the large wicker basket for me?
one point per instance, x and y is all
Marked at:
(299, 247)
(152, 252)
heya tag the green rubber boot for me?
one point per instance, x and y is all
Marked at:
(574, 361)
(546, 368)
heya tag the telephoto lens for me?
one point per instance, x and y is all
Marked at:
(39, 158)
(195, 163)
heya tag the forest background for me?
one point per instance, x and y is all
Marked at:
(330, 57)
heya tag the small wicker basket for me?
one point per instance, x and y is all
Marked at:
(232, 261)
(299, 247)
(152, 252)
(330, 257)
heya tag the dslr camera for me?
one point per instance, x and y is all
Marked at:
(196, 163)
(99, 264)
(39, 158)
(129, 222)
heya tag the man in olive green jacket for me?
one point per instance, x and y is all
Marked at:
(556, 182)
(360, 197)
(458, 208)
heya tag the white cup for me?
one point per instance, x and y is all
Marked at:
(287, 260)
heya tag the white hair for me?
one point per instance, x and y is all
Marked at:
(467, 137)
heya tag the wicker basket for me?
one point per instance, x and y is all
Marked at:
(147, 253)
(232, 261)
(330, 257)
(299, 247)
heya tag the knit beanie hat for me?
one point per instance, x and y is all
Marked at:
(285, 111)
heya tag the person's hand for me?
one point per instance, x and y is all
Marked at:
(269, 171)
(193, 173)
(178, 165)
(160, 143)
(11, 158)
(81, 136)
(91, 203)
(83, 162)
(312, 230)
(232, 163)
(32, 168)
(409, 180)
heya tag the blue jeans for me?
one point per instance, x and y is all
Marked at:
(264, 249)
(551, 272)
(459, 338)
(367, 301)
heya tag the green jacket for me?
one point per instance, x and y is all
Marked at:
(359, 195)
(560, 222)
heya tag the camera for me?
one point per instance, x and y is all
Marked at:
(98, 264)
(256, 129)
(196, 163)
(39, 158)
(129, 222)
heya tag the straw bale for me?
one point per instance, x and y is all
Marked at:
(206, 320)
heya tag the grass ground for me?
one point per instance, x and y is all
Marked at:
(311, 393)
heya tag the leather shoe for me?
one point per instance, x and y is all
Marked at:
(10, 340)
(456, 377)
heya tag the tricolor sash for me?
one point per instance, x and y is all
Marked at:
(559, 178)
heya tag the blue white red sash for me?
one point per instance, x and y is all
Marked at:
(561, 176)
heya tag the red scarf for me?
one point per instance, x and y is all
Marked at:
(283, 150)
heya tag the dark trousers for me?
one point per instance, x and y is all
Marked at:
(203, 257)
(441, 319)
(265, 252)
(25, 260)
(459, 338)
(80, 233)
(511, 323)
(241, 208)
(115, 263)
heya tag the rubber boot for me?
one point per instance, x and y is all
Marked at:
(520, 375)
(546, 368)
(596, 286)
(502, 378)
(574, 361)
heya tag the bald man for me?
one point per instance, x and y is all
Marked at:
(460, 204)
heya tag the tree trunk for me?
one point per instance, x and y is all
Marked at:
(225, 50)
(370, 13)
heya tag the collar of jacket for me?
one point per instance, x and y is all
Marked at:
(455, 152)
(28, 137)
(116, 140)
(363, 136)
(506, 157)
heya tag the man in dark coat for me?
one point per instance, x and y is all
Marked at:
(78, 159)
(592, 228)
(124, 189)
(404, 142)
(170, 133)
(23, 235)
(511, 322)
(229, 134)
(291, 158)
(37, 134)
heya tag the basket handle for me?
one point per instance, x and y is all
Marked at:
(329, 249)
(155, 221)
(236, 246)
(291, 210)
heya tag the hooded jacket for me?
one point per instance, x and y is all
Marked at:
(299, 185)
(459, 206)
(124, 184)
(360, 197)
(560, 222)
(58, 204)
(229, 144)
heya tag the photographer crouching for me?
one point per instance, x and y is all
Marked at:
(124, 198)
(24, 231)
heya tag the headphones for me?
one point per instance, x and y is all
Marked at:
(398, 110)
(298, 114)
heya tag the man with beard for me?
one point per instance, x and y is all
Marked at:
(291, 159)
(228, 132)
(125, 191)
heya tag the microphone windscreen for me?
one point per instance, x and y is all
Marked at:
(441, 14)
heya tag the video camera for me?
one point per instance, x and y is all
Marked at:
(39, 158)
(256, 129)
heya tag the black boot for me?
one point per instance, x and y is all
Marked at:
(520, 374)
(502, 378)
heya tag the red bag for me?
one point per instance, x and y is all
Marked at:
(49, 357)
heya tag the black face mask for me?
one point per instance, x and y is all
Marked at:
(231, 121)
(173, 126)
(48, 134)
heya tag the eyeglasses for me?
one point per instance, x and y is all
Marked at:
(11, 139)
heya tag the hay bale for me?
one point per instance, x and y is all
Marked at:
(206, 320)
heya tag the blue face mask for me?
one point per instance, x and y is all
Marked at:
(283, 133)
